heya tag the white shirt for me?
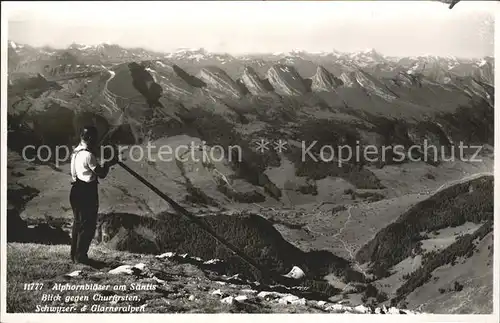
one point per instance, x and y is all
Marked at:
(83, 164)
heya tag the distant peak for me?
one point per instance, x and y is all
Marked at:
(108, 44)
(15, 45)
(368, 51)
(482, 62)
(200, 50)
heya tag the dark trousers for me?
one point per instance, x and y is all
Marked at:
(85, 204)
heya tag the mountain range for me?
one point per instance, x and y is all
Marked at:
(106, 53)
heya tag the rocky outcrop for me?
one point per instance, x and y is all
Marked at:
(219, 83)
(286, 80)
(253, 82)
(486, 71)
(71, 71)
(201, 287)
(33, 86)
(428, 133)
(484, 90)
(347, 79)
(406, 79)
(476, 88)
(171, 78)
(133, 85)
(373, 86)
(46, 66)
(323, 80)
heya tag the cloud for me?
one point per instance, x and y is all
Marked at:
(395, 28)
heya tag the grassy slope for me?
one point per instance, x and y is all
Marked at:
(461, 251)
(48, 265)
(470, 201)
(474, 273)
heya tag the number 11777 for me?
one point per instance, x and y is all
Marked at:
(33, 286)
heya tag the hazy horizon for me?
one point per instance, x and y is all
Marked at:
(410, 28)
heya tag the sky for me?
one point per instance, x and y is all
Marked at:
(396, 28)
